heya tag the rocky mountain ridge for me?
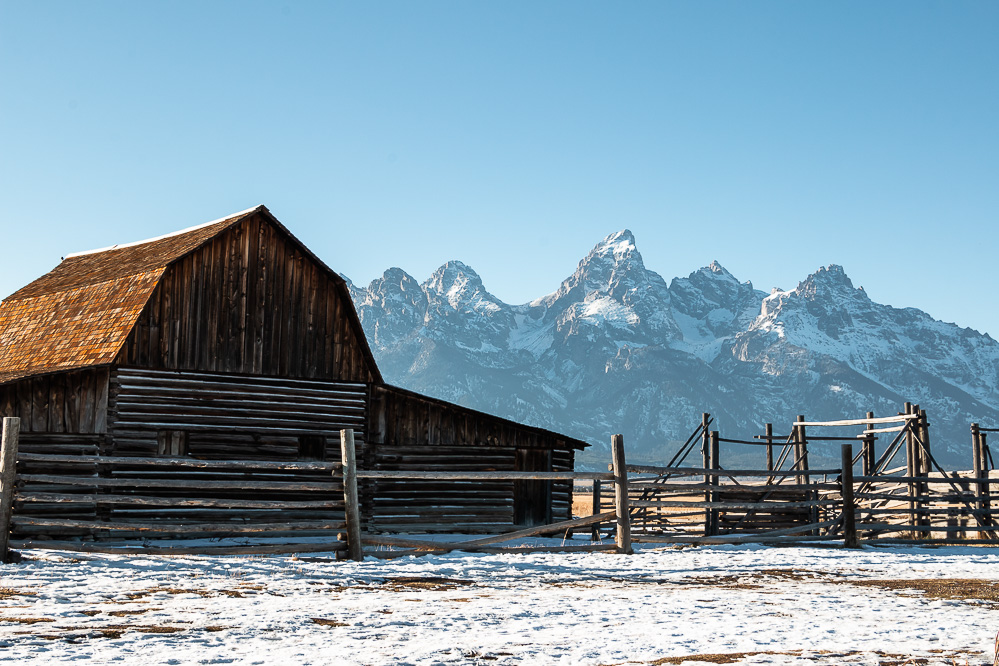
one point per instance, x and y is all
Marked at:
(616, 349)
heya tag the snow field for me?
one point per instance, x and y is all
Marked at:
(789, 605)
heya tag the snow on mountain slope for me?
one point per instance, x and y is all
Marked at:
(614, 349)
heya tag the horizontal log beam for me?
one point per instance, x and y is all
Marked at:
(241, 465)
(860, 422)
(747, 506)
(261, 549)
(702, 471)
(174, 528)
(136, 500)
(96, 482)
(473, 476)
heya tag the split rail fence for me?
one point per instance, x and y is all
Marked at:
(61, 498)
(81, 502)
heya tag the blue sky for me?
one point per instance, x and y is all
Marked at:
(775, 137)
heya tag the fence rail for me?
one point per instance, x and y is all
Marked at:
(63, 497)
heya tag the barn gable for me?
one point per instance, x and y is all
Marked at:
(251, 300)
(240, 295)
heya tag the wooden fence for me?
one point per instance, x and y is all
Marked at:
(74, 502)
(138, 498)
(865, 499)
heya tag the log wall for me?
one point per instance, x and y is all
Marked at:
(231, 417)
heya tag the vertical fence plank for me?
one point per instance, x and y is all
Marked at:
(769, 435)
(351, 509)
(621, 495)
(984, 488)
(911, 469)
(595, 531)
(715, 480)
(849, 506)
(706, 464)
(869, 456)
(8, 461)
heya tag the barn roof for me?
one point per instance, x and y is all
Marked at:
(80, 313)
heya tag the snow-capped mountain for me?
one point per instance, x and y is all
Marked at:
(616, 349)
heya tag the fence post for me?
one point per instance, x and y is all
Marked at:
(985, 486)
(623, 539)
(849, 506)
(801, 451)
(706, 464)
(715, 466)
(769, 434)
(8, 462)
(869, 458)
(352, 510)
(595, 531)
(911, 470)
(923, 435)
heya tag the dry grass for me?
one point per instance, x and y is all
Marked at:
(26, 620)
(968, 589)
(9, 593)
(435, 583)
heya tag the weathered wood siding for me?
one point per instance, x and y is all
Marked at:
(230, 417)
(251, 301)
(63, 402)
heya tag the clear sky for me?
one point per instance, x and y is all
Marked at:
(775, 137)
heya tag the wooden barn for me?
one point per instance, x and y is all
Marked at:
(202, 378)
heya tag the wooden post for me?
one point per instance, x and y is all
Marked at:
(923, 433)
(869, 459)
(352, 509)
(595, 531)
(715, 465)
(8, 462)
(706, 464)
(911, 469)
(801, 451)
(623, 539)
(769, 434)
(985, 488)
(976, 456)
(849, 506)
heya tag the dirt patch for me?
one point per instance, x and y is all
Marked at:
(884, 658)
(125, 613)
(435, 583)
(26, 620)
(726, 658)
(798, 574)
(236, 594)
(968, 589)
(143, 628)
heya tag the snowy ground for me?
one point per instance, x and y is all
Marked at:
(749, 604)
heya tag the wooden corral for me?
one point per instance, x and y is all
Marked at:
(869, 497)
(233, 343)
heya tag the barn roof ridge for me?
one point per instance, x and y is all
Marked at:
(180, 232)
